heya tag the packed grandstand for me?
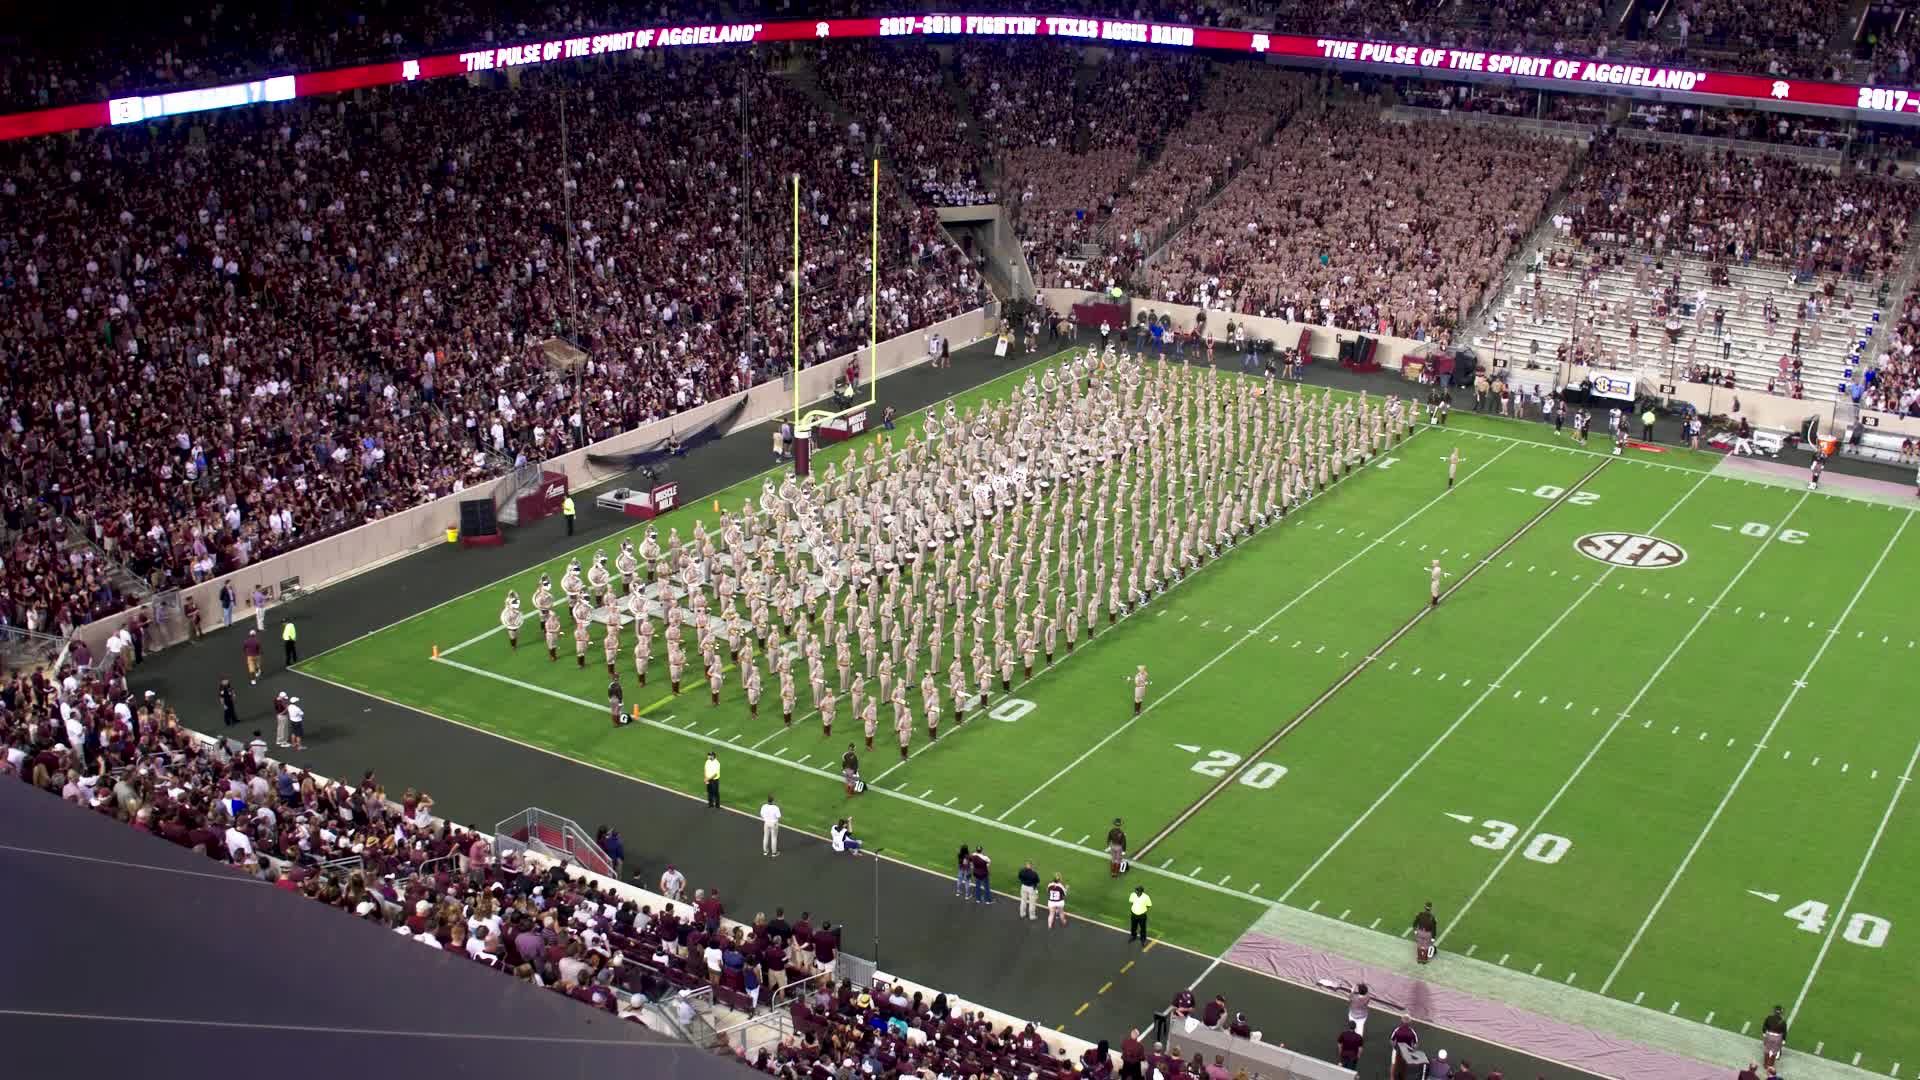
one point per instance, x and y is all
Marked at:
(231, 334)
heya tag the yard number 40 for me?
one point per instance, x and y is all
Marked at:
(1861, 929)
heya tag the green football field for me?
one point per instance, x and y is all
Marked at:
(1648, 747)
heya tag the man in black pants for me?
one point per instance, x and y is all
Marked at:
(1138, 904)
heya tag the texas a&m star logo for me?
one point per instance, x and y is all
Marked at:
(1634, 551)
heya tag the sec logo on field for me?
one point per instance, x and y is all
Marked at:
(1631, 550)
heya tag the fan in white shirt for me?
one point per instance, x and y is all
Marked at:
(239, 847)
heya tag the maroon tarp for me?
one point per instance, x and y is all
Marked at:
(1090, 316)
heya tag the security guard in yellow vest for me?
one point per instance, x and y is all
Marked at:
(1138, 903)
(287, 636)
(713, 779)
(566, 511)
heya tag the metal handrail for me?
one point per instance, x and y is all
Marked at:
(791, 990)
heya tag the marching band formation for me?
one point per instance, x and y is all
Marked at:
(996, 537)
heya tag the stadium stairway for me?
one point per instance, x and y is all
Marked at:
(122, 578)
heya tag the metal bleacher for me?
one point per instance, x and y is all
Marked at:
(1756, 347)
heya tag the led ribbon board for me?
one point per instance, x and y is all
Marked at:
(1571, 74)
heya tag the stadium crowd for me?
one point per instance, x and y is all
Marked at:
(897, 95)
(87, 739)
(1893, 385)
(391, 861)
(1241, 102)
(229, 338)
(1777, 37)
(881, 1031)
(1739, 208)
(1342, 220)
(1068, 147)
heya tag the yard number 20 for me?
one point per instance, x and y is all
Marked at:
(1260, 776)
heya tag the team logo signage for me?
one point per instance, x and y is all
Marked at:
(1635, 551)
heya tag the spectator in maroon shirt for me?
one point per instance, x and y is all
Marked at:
(1215, 1012)
(826, 945)
(250, 649)
(1182, 1003)
(711, 910)
(1350, 1042)
(1133, 1055)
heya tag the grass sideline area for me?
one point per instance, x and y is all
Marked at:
(1664, 773)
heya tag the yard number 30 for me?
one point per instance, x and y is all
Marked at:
(1543, 848)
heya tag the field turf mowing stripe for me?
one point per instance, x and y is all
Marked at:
(1233, 712)
(1258, 629)
(1842, 913)
(1498, 684)
(1373, 654)
(1712, 819)
(1515, 846)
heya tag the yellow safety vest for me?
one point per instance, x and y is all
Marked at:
(566, 506)
(287, 632)
(713, 769)
(1140, 902)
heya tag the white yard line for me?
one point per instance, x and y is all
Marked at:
(1527, 833)
(1253, 633)
(1792, 693)
(1846, 905)
(479, 637)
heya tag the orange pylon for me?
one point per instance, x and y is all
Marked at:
(436, 652)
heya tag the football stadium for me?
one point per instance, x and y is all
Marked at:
(1181, 543)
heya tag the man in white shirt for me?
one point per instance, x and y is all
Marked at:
(770, 828)
(673, 883)
(239, 847)
(76, 727)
